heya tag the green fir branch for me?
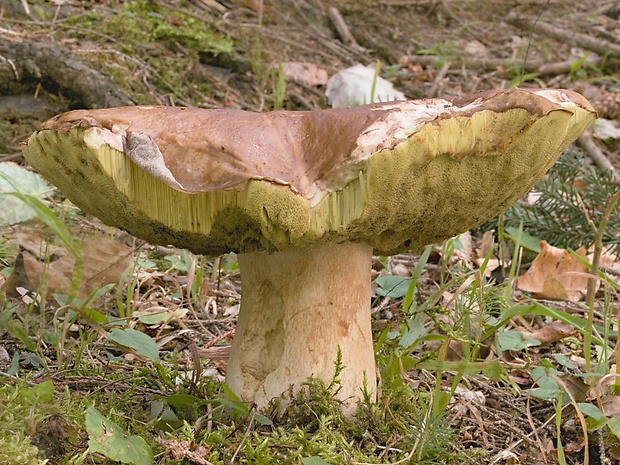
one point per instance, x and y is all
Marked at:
(570, 194)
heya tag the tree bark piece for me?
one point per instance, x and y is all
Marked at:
(298, 309)
(31, 63)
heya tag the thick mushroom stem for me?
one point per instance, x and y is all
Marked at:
(298, 309)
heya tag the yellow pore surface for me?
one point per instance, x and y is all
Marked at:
(451, 175)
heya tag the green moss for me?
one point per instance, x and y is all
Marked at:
(152, 48)
(15, 448)
(143, 23)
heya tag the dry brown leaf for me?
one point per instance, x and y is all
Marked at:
(573, 447)
(556, 274)
(36, 240)
(476, 49)
(611, 406)
(552, 332)
(491, 265)
(467, 251)
(487, 245)
(185, 450)
(305, 73)
(607, 259)
(31, 274)
(104, 263)
(577, 387)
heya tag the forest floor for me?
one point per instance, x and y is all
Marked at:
(495, 375)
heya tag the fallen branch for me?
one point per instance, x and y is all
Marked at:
(31, 63)
(342, 28)
(586, 142)
(441, 74)
(501, 65)
(570, 37)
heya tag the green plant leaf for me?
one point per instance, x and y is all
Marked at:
(143, 345)
(14, 178)
(314, 460)
(16, 330)
(565, 361)
(514, 340)
(412, 331)
(107, 438)
(262, 420)
(538, 309)
(595, 419)
(177, 262)
(494, 370)
(527, 240)
(548, 387)
(148, 317)
(408, 301)
(614, 426)
(392, 286)
(40, 393)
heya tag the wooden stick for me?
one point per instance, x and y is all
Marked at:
(61, 66)
(342, 28)
(586, 142)
(438, 79)
(502, 65)
(570, 37)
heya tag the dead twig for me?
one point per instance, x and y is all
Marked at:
(342, 28)
(63, 67)
(530, 420)
(441, 74)
(567, 36)
(587, 143)
(10, 157)
(502, 65)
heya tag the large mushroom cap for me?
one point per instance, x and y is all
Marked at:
(396, 175)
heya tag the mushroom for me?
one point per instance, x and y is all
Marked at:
(304, 199)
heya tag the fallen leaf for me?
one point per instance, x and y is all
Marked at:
(104, 262)
(611, 406)
(182, 449)
(556, 274)
(487, 245)
(508, 458)
(552, 332)
(37, 240)
(30, 274)
(577, 387)
(573, 447)
(107, 438)
(305, 73)
(476, 49)
(607, 258)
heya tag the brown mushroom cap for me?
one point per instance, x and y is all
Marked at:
(396, 175)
